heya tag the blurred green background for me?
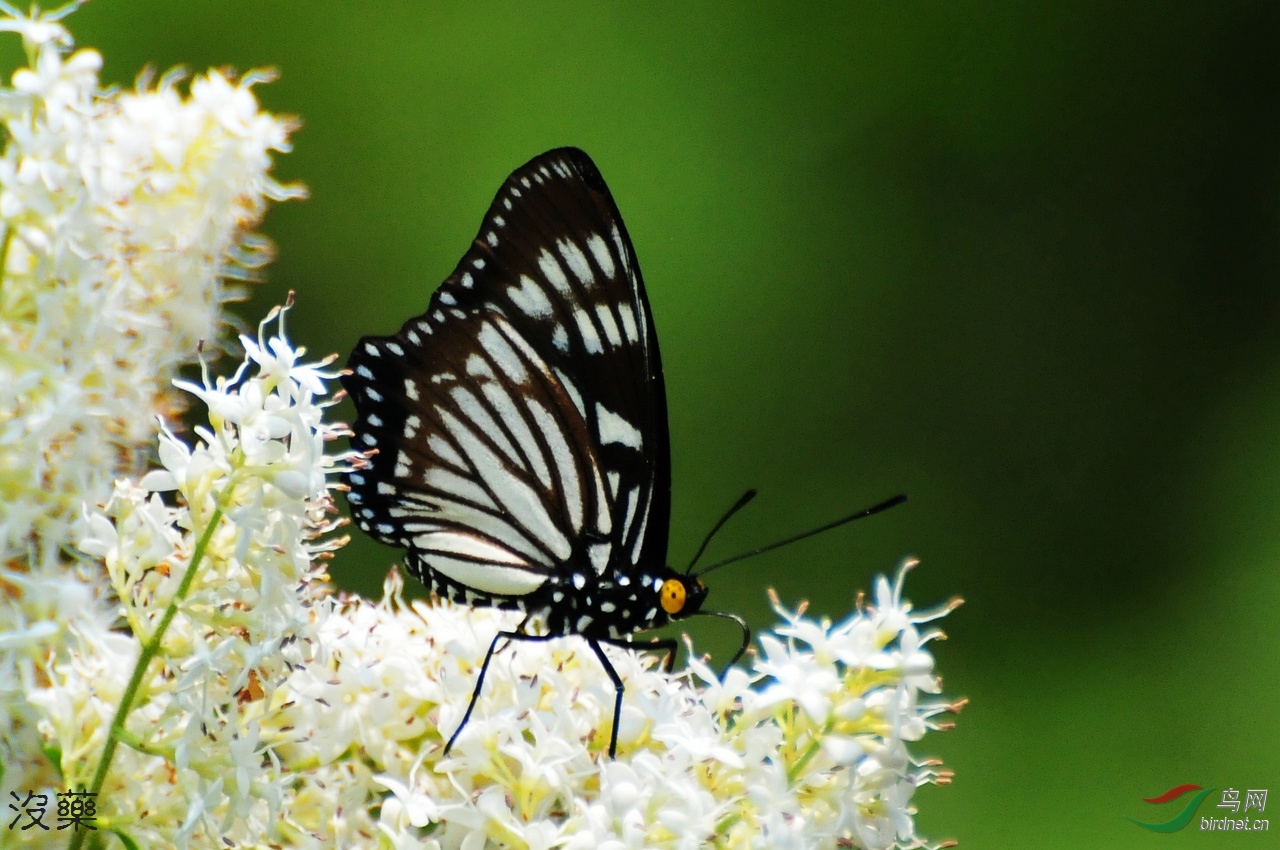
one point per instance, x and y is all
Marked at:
(1018, 262)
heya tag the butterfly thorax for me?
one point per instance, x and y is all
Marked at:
(582, 603)
(615, 607)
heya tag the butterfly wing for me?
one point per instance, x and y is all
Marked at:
(520, 424)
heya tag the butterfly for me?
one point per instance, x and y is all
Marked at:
(517, 430)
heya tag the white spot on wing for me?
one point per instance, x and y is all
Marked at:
(615, 429)
(600, 251)
(622, 251)
(599, 555)
(605, 315)
(628, 322)
(478, 366)
(587, 332)
(530, 298)
(576, 261)
(550, 267)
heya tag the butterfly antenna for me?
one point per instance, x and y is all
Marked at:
(737, 506)
(746, 635)
(875, 509)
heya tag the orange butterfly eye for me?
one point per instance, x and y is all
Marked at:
(673, 596)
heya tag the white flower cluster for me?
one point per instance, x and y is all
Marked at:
(226, 589)
(123, 218)
(122, 215)
(806, 749)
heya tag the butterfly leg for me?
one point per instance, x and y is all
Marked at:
(668, 645)
(617, 691)
(484, 668)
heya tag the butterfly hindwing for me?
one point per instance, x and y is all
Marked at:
(520, 423)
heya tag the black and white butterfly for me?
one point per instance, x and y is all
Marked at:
(519, 426)
(517, 430)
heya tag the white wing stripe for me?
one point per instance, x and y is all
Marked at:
(520, 430)
(495, 527)
(484, 577)
(444, 451)
(517, 497)
(475, 413)
(630, 515)
(456, 485)
(467, 545)
(565, 463)
(644, 523)
(501, 353)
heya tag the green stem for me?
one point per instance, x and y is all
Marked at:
(809, 753)
(812, 750)
(133, 742)
(149, 651)
(4, 253)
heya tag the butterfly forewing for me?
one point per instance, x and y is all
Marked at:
(520, 423)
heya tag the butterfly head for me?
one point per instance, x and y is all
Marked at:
(682, 596)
